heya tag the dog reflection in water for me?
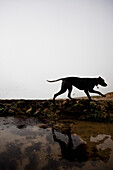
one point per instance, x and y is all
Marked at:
(68, 151)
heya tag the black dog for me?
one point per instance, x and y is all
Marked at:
(86, 84)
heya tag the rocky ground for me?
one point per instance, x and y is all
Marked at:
(98, 110)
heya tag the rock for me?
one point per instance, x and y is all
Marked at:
(29, 110)
(44, 126)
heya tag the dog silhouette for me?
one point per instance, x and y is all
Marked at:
(86, 84)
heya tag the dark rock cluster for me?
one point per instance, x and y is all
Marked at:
(79, 109)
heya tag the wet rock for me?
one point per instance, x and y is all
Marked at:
(21, 126)
(44, 126)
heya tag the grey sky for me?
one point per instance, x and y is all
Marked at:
(48, 39)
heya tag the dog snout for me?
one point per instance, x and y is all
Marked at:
(105, 84)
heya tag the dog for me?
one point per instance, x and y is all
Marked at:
(86, 84)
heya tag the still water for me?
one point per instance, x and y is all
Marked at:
(28, 144)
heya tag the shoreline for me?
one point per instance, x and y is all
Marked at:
(99, 110)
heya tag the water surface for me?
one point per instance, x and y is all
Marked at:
(27, 143)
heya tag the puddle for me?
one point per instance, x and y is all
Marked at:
(27, 143)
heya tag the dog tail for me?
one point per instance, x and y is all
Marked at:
(51, 81)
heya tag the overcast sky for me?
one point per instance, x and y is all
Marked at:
(49, 39)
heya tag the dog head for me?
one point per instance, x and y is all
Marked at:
(101, 82)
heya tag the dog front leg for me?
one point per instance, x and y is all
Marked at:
(87, 93)
(94, 91)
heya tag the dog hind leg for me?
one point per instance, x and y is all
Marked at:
(69, 92)
(63, 89)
